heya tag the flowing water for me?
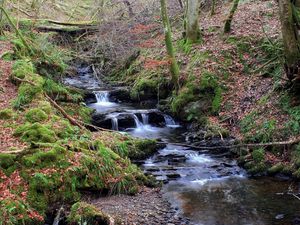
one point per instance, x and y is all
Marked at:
(207, 188)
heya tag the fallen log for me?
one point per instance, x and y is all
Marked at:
(68, 30)
(251, 145)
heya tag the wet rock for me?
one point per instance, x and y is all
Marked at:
(296, 221)
(173, 176)
(156, 118)
(120, 95)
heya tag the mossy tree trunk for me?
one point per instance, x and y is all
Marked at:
(290, 37)
(192, 21)
(213, 6)
(227, 27)
(1, 16)
(174, 68)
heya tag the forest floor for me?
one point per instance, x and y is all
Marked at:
(8, 92)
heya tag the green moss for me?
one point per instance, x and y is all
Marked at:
(258, 168)
(296, 174)
(288, 169)
(35, 115)
(7, 160)
(64, 129)
(46, 158)
(258, 155)
(22, 68)
(136, 149)
(84, 213)
(277, 168)
(27, 91)
(35, 133)
(144, 88)
(6, 114)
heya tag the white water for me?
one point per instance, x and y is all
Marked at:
(103, 99)
(170, 122)
(115, 123)
(145, 118)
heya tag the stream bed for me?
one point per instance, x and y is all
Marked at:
(207, 188)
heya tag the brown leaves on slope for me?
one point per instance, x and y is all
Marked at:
(8, 92)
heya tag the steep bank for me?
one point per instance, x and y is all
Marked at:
(49, 158)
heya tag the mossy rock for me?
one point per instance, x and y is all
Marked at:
(258, 155)
(258, 169)
(296, 174)
(277, 168)
(84, 213)
(35, 133)
(288, 169)
(6, 114)
(35, 115)
(7, 160)
(136, 149)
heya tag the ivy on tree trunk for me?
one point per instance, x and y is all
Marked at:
(174, 68)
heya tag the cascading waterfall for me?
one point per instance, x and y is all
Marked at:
(138, 123)
(115, 123)
(102, 96)
(169, 120)
(145, 118)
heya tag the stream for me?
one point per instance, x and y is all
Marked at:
(208, 188)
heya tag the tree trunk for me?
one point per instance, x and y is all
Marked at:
(228, 21)
(213, 5)
(192, 21)
(174, 69)
(180, 3)
(1, 16)
(130, 10)
(290, 39)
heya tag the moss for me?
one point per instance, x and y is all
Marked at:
(258, 168)
(258, 155)
(84, 213)
(144, 88)
(6, 114)
(277, 168)
(136, 149)
(35, 133)
(27, 91)
(64, 129)
(45, 106)
(35, 115)
(7, 160)
(288, 169)
(46, 158)
(296, 174)
(22, 68)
